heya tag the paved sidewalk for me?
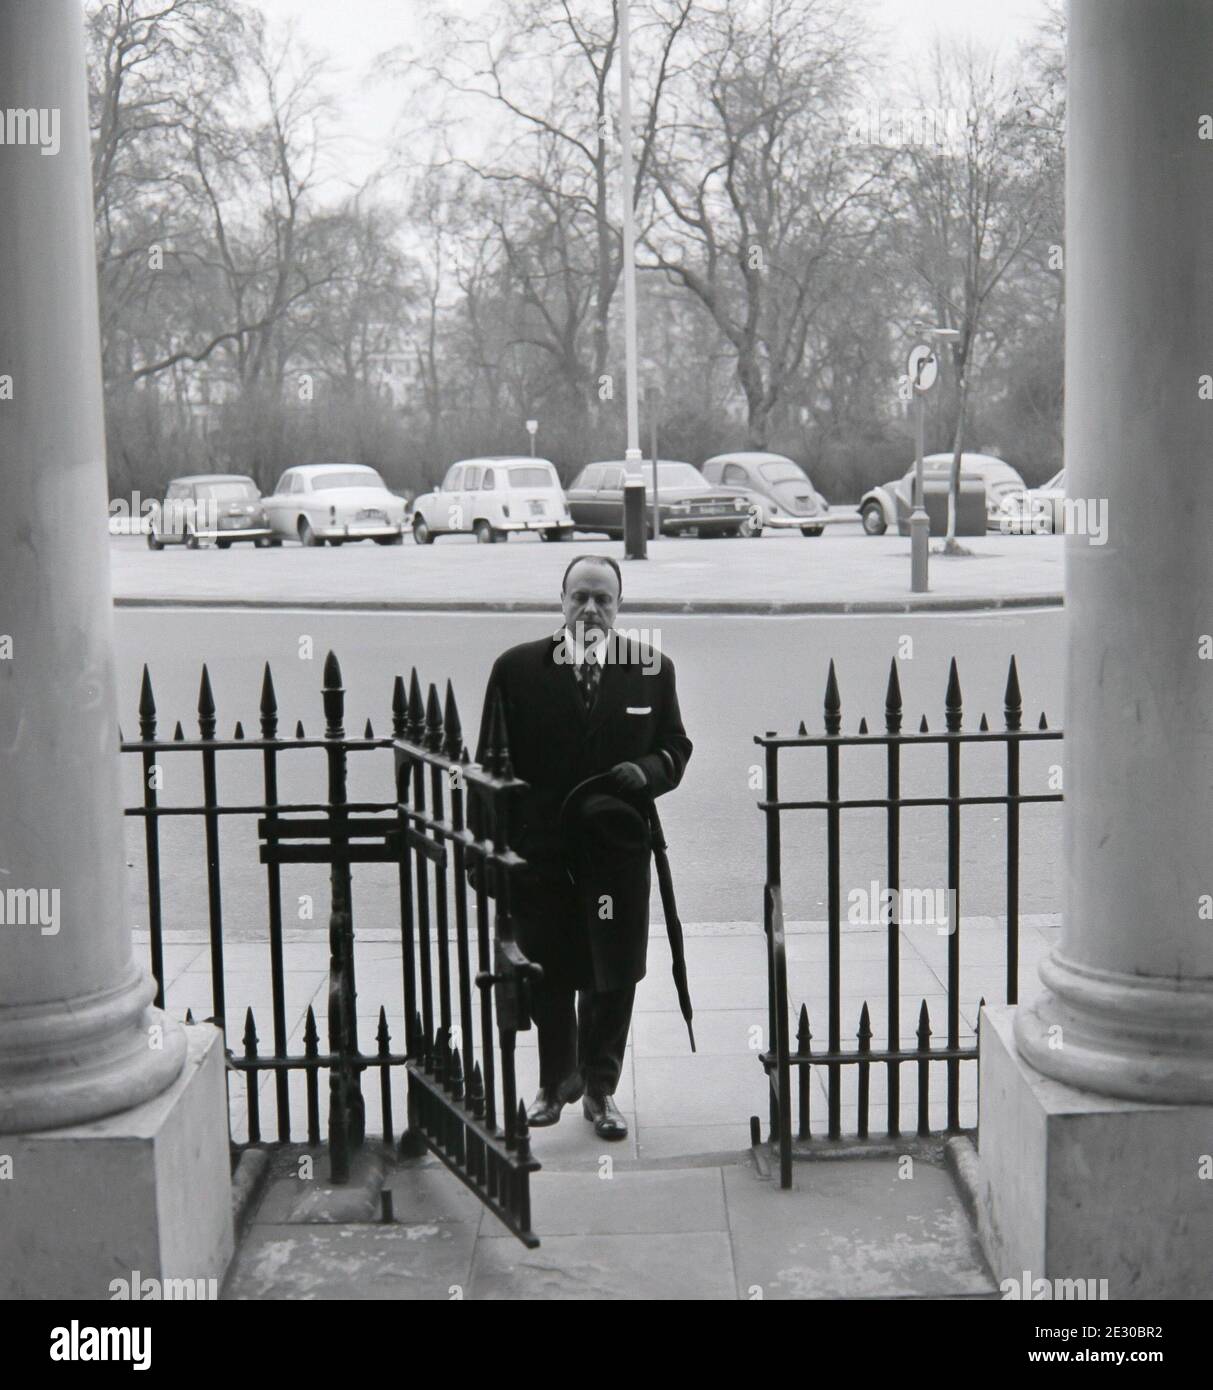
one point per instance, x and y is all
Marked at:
(850, 1228)
(842, 571)
(678, 1105)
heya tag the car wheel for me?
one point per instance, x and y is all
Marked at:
(222, 545)
(307, 536)
(336, 543)
(559, 534)
(153, 543)
(814, 530)
(874, 523)
(484, 533)
(191, 539)
(262, 542)
(422, 534)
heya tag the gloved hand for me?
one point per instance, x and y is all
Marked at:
(628, 777)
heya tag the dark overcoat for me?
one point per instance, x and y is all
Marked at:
(559, 920)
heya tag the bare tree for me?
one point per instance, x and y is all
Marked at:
(759, 200)
(972, 208)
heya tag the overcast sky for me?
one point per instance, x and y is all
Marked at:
(354, 32)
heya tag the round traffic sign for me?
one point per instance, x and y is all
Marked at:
(922, 376)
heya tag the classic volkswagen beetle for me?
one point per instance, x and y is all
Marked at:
(779, 491)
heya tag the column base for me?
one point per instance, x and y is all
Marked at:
(140, 1198)
(1133, 1036)
(1084, 1196)
(65, 1062)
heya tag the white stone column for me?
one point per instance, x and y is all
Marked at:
(1129, 1008)
(1096, 1100)
(77, 1036)
(113, 1117)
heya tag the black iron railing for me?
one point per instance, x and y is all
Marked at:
(455, 1071)
(780, 1059)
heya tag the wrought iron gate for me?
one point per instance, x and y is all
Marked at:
(464, 992)
(780, 1060)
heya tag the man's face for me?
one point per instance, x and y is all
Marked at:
(590, 598)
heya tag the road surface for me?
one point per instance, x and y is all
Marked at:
(736, 676)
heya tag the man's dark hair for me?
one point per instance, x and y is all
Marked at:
(600, 559)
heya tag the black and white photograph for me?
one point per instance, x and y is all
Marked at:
(606, 671)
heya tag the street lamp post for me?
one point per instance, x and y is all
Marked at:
(532, 428)
(923, 368)
(632, 454)
(652, 399)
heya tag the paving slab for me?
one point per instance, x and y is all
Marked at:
(853, 1229)
(396, 1262)
(628, 1202)
(695, 1265)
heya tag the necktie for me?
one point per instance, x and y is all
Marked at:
(588, 675)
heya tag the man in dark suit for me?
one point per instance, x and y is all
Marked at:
(583, 702)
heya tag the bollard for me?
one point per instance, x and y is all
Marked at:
(635, 522)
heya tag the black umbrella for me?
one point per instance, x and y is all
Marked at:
(673, 923)
(605, 781)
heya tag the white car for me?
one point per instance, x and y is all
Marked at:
(1037, 510)
(890, 505)
(492, 497)
(335, 502)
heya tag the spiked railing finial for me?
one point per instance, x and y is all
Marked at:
(433, 720)
(953, 711)
(1013, 700)
(416, 710)
(147, 708)
(450, 722)
(399, 708)
(269, 705)
(892, 700)
(334, 698)
(833, 703)
(206, 705)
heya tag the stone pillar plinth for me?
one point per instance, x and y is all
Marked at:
(79, 1039)
(1109, 1196)
(133, 1206)
(1129, 1007)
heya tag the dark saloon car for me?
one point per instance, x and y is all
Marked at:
(687, 501)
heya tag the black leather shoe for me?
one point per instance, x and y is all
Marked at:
(608, 1122)
(551, 1100)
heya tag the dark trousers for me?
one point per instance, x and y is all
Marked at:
(583, 1031)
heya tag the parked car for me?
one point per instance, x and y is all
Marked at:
(778, 491)
(687, 501)
(219, 507)
(493, 497)
(335, 502)
(1035, 510)
(891, 504)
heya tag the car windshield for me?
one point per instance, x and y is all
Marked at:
(327, 482)
(680, 475)
(783, 473)
(228, 492)
(530, 477)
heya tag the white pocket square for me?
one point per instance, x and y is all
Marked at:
(640, 709)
